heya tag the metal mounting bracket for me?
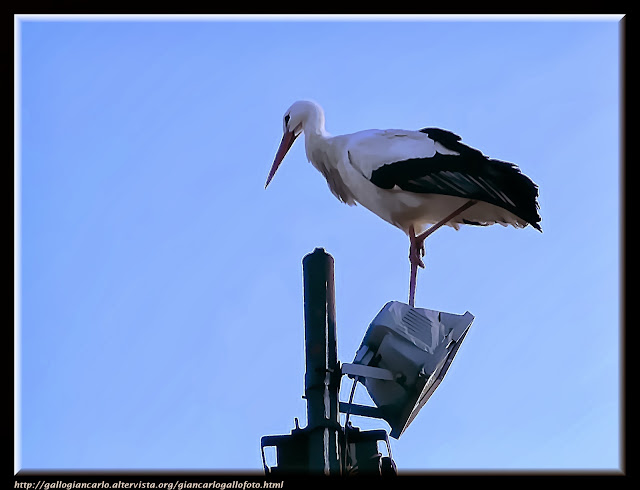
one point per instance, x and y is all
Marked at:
(355, 370)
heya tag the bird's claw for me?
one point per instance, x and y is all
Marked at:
(416, 253)
(416, 249)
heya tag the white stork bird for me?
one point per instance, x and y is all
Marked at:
(412, 179)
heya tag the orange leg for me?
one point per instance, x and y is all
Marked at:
(417, 251)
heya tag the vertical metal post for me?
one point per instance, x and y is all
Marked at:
(322, 377)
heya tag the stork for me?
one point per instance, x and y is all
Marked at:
(412, 179)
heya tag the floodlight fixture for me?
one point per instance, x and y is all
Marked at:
(403, 358)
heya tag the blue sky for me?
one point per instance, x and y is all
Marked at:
(160, 286)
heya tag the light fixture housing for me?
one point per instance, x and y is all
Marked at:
(412, 349)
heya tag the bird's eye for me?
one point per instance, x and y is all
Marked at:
(286, 119)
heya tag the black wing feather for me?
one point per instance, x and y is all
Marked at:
(470, 174)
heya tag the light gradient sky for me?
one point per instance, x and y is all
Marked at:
(160, 286)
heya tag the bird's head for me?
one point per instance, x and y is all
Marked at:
(302, 115)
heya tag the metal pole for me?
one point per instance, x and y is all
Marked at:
(322, 377)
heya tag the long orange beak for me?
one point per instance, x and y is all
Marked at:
(287, 140)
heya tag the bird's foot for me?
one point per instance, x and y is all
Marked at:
(416, 250)
(415, 256)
